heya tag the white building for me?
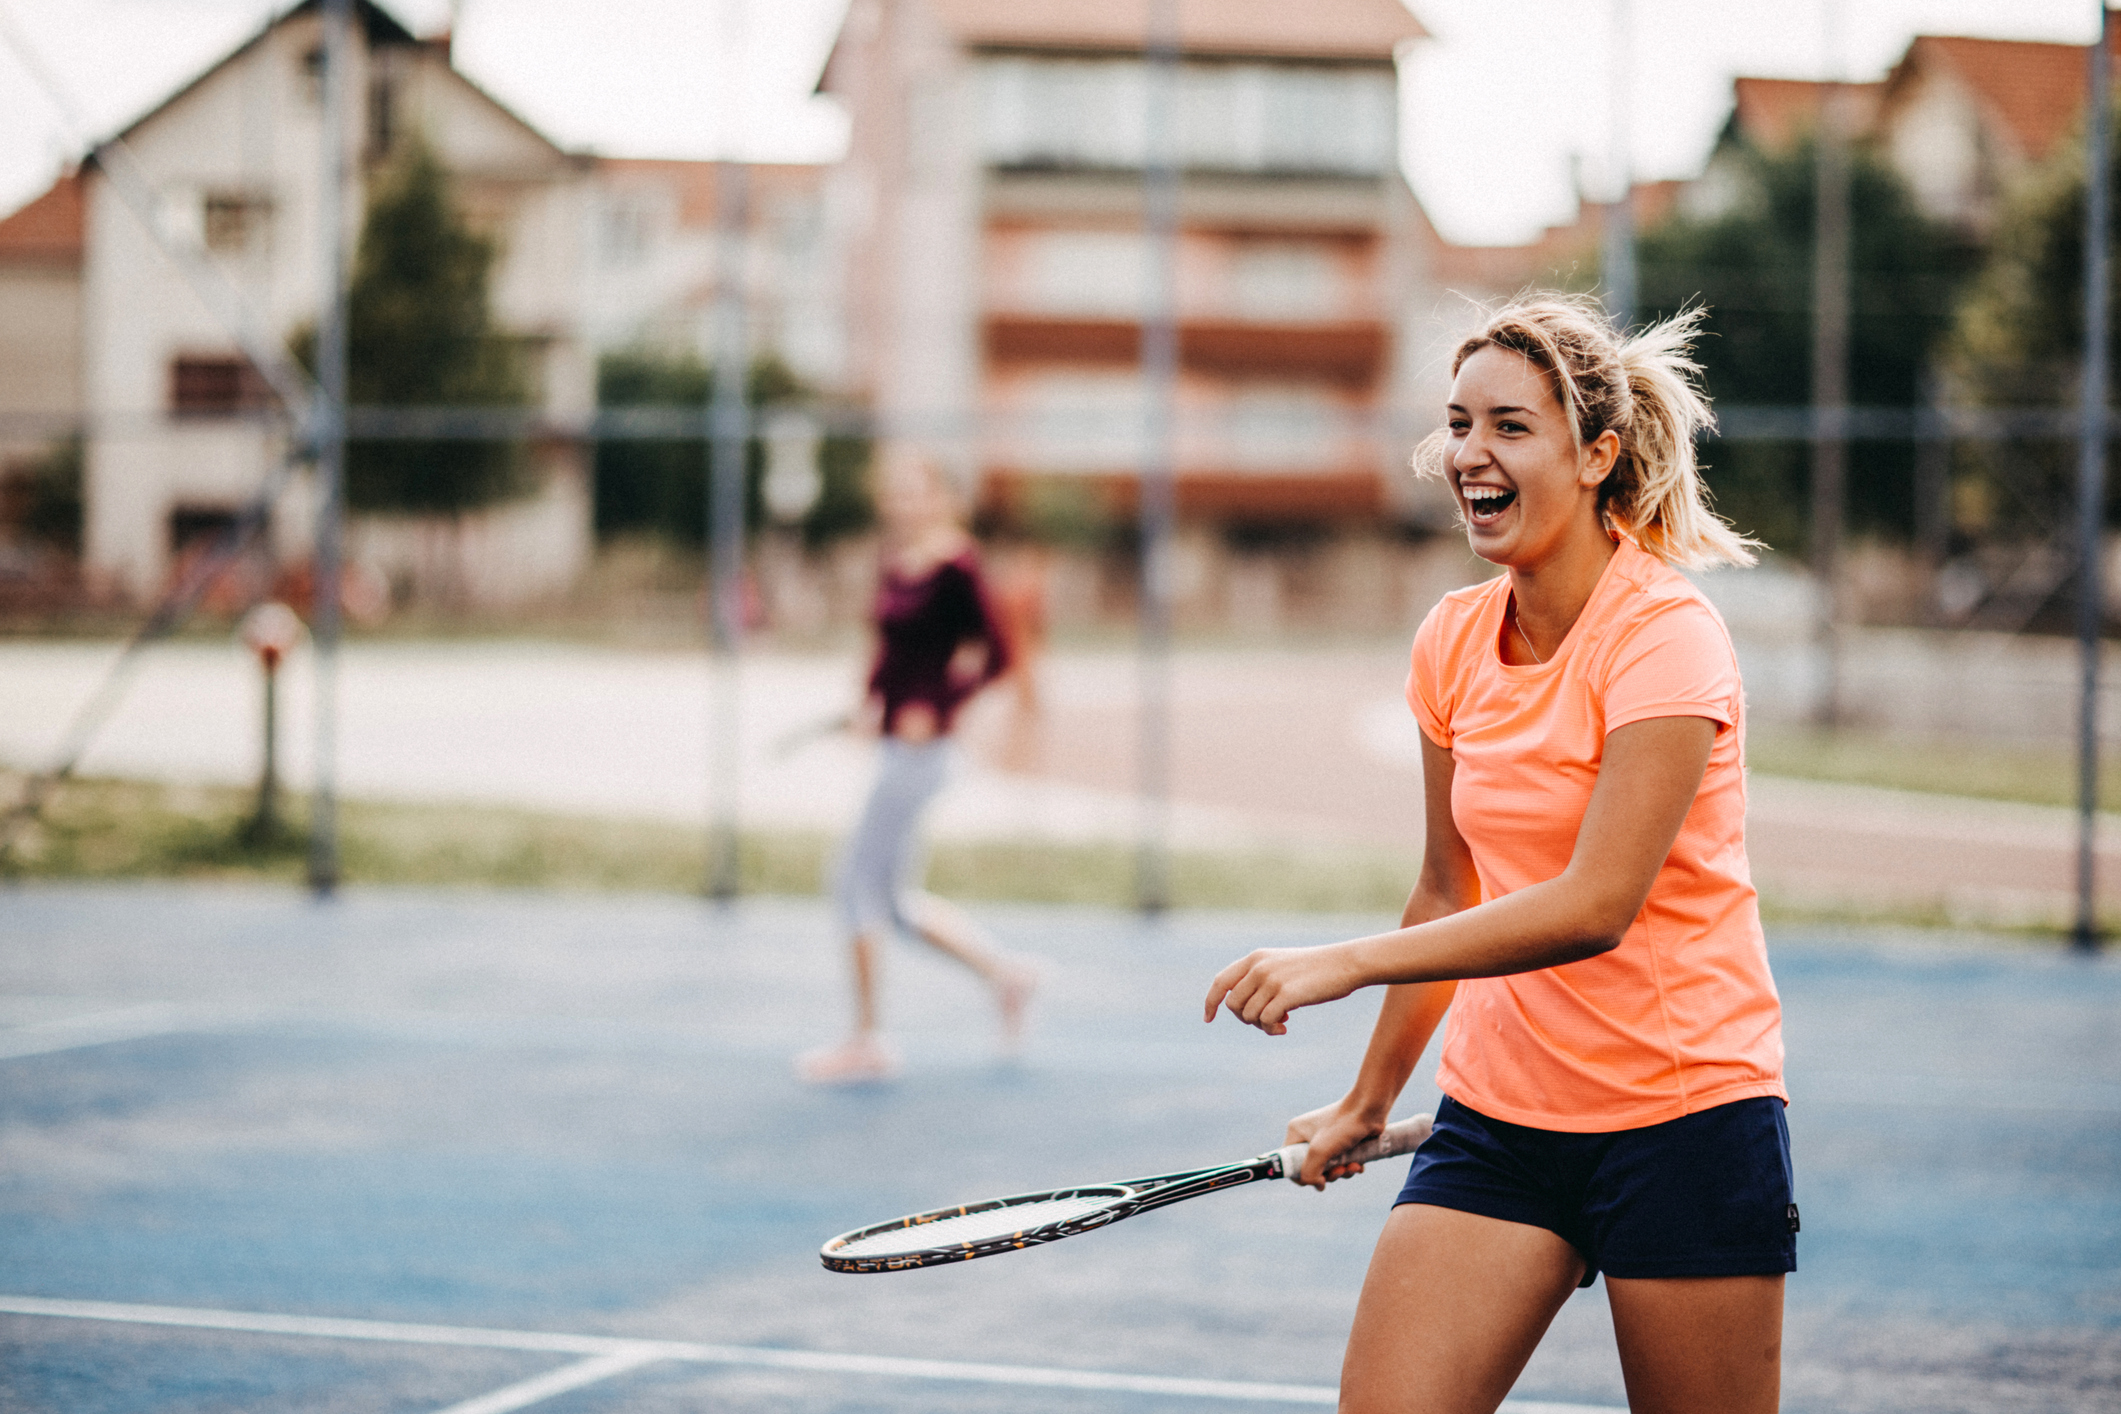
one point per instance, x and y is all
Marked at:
(656, 265)
(180, 431)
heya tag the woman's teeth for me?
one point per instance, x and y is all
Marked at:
(1487, 502)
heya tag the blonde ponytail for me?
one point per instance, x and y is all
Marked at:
(1646, 389)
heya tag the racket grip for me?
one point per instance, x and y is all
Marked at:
(1403, 1137)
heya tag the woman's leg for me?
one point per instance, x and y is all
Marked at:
(949, 930)
(1453, 1306)
(864, 1055)
(864, 887)
(1699, 1345)
(866, 953)
(942, 925)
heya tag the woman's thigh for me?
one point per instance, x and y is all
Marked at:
(1699, 1345)
(1453, 1306)
(883, 847)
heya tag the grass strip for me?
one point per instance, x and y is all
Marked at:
(113, 829)
(2033, 774)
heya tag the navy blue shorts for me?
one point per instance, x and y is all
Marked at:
(1705, 1195)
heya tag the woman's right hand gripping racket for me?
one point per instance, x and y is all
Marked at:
(969, 1230)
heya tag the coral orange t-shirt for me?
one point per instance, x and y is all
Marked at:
(1682, 1015)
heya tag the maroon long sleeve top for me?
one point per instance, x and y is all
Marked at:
(922, 621)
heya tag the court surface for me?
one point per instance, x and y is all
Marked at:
(479, 1152)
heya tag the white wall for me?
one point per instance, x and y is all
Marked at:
(40, 348)
(253, 126)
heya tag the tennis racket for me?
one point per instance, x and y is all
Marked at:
(790, 742)
(1006, 1224)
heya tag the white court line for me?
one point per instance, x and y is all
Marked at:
(568, 1377)
(100, 1028)
(617, 1354)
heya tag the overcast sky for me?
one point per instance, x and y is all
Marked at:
(1503, 104)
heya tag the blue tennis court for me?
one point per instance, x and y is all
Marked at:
(480, 1152)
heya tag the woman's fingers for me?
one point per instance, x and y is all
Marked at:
(1220, 988)
(1257, 990)
(1234, 987)
(1252, 996)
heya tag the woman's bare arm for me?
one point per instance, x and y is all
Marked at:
(1646, 784)
(1411, 1011)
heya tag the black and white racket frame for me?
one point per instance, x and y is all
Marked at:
(1123, 1199)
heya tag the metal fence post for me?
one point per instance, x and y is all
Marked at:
(728, 435)
(1159, 357)
(1619, 251)
(329, 424)
(2091, 474)
(1830, 378)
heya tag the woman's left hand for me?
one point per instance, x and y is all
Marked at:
(1263, 987)
(968, 665)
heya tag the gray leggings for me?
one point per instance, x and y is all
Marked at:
(881, 859)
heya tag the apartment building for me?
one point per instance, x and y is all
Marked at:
(998, 270)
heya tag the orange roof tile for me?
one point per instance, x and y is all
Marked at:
(48, 228)
(1773, 113)
(2034, 92)
(1317, 29)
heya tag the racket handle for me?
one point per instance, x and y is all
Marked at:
(1401, 1138)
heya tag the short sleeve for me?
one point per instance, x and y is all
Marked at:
(1677, 661)
(1425, 686)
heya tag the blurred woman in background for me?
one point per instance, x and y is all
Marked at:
(938, 643)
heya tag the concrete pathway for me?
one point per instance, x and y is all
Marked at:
(1304, 749)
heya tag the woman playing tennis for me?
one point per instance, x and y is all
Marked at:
(938, 644)
(1612, 1072)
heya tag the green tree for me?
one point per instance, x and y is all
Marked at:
(46, 496)
(660, 487)
(421, 333)
(2020, 343)
(1751, 265)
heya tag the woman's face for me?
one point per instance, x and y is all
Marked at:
(1523, 482)
(911, 498)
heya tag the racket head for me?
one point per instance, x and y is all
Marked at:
(967, 1230)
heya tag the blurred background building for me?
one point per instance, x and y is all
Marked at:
(973, 275)
(1962, 121)
(996, 168)
(176, 436)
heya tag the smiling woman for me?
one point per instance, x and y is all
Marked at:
(1612, 1075)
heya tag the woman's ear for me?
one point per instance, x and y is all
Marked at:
(1599, 459)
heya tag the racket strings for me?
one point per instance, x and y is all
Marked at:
(963, 1228)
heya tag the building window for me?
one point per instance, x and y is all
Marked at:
(1284, 280)
(1287, 429)
(1082, 422)
(628, 222)
(382, 116)
(215, 385)
(1232, 117)
(233, 222)
(1088, 273)
(196, 529)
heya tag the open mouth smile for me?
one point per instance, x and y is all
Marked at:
(1485, 503)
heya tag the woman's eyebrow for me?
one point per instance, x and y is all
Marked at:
(1504, 410)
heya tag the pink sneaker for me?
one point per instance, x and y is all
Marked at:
(861, 1060)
